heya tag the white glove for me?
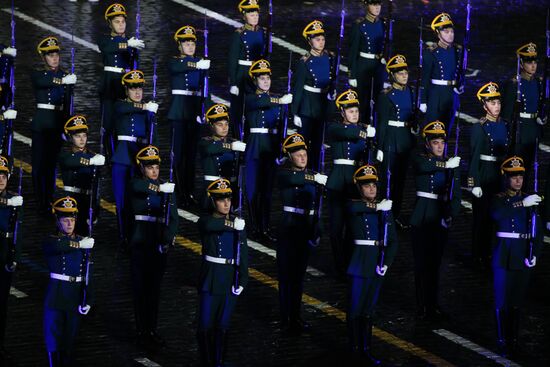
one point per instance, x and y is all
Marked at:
(69, 79)
(531, 200)
(203, 64)
(97, 160)
(297, 121)
(151, 107)
(542, 121)
(452, 162)
(532, 263)
(423, 107)
(353, 83)
(477, 192)
(386, 85)
(320, 179)
(371, 131)
(135, 43)
(10, 268)
(237, 291)
(379, 155)
(234, 90)
(459, 91)
(286, 99)
(381, 270)
(84, 310)
(384, 205)
(238, 146)
(239, 224)
(15, 201)
(331, 96)
(10, 51)
(167, 187)
(86, 243)
(10, 115)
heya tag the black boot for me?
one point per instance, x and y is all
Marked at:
(513, 332)
(355, 339)
(367, 341)
(53, 358)
(205, 351)
(220, 341)
(500, 317)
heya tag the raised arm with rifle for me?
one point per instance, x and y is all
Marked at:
(205, 81)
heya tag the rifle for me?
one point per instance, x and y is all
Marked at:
(270, 30)
(382, 244)
(71, 105)
(166, 202)
(418, 91)
(238, 234)
(517, 109)
(138, 21)
(370, 143)
(286, 113)
(534, 223)
(388, 32)
(465, 47)
(153, 116)
(339, 44)
(13, 219)
(545, 96)
(205, 81)
(9, 123)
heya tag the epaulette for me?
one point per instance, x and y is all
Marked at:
(13, 193)
(208, 138)
(240, 29)
(387, 89)
(360, 20)
(501, 194)
(483, 120)
(515, 79)
(331, 53)
(431, 45)
(458, 47)
(306, 57)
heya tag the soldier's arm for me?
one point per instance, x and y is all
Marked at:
(233, 59)
(356, 207)
(288, 177)
(57, 244)
(502, 207)
(211, 147)
(41, 79)
(107, 46)
(260, 101)
(138, 185)
(177, 65)
(298, 81)
(424, 164)
(337, 132)
(353, 50)
(70, 161)
(125, 107)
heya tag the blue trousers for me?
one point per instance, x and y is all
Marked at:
(215, 310)
(122, 174)
(510, 287)
(60, 329)
(363, 296)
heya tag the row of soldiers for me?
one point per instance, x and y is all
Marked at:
(363, 246)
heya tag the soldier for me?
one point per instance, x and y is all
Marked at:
(348, 144)
(365, 55)
(77, 166)
(132, 129)
(248, 44)
(396, 123)
(372, 255)
(298, 186)
(515, 253)
(186, 76)
(66, 256)
(7, 58)
(119, 55)
(529, 127)
(10, 245)
(488, 146)
(52, 103)
(440, 67)
(223, 274)
(152, 204)
(314, 84)
(219, 152)
(264, 113)
(437, 203)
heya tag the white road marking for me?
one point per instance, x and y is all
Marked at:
(475, 348)
(17, 293)
(147, 362)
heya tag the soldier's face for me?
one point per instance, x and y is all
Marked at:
(188, 48)
(80, 140)
(151, 171)
(437, 146)
(264, 82)
(221, 128)
(223, 206)
(66, 225)
(447, 35)
(52, 60)
(374, 9)
(135, 93)
(530, 67)
(317, 43)
(401, 77)
(492, 107)
(351, 115)
(516, 182)
(3, 181)
(118, 24)
(369, 191)
(299, 158)
(252, 18)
